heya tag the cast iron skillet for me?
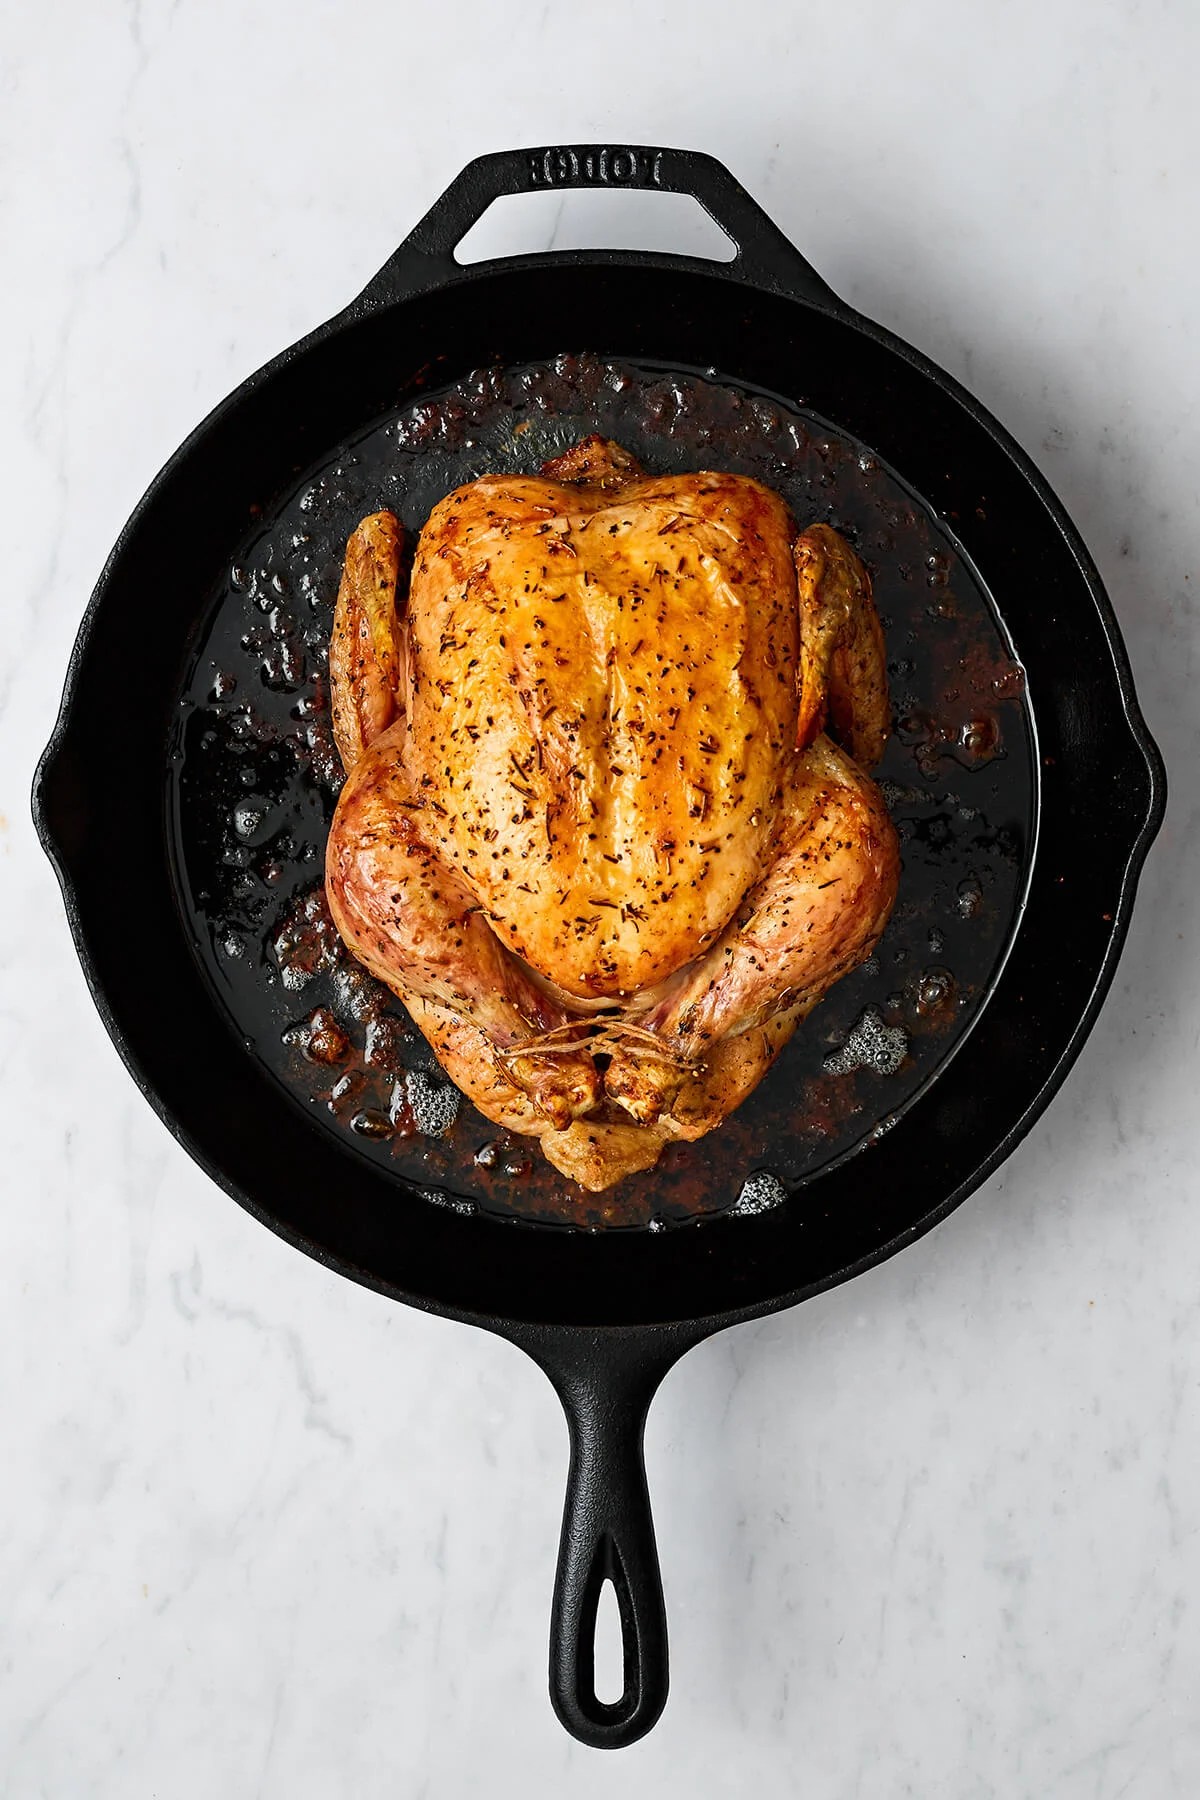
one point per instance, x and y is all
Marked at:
(604, 1314)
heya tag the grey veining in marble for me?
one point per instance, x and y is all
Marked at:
(265, 1535)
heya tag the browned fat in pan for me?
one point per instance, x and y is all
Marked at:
(256, 776)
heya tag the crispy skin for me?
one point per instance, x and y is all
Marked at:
(601, 688)
(467, 1054)
(365, 651)
(594, 462)
(414, 924)
(591, 806)
(843, 658)
(597, 1152)
(819, 909)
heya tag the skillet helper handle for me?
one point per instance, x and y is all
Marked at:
(606, 1381)
(765, 257)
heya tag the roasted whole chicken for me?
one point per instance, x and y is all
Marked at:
(606, 828)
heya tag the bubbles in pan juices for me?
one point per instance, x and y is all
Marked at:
(760, 1192)
(869, 1044)
(257, 777)
(434, 1104)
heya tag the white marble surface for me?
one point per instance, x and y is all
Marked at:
(264, 1534)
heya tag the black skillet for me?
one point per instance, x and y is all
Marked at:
(605, 1314)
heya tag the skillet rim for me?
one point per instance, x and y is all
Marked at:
(1139, 745)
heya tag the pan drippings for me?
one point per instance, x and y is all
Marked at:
(255, 777)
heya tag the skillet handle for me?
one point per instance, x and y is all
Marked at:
(606, 1380)
(765, 257)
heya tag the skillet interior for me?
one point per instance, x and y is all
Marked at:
(256, 776)
(102, 802)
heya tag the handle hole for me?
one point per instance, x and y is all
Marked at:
(595, 219)
(609, 1677)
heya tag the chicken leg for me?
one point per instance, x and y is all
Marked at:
(816, 913)
(395, 898)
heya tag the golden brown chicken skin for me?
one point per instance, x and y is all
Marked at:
(593, 832)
